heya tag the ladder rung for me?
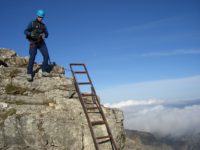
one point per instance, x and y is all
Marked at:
(80, 72)
(83, 83)
(97, 122)
(104, 141)
(103, 137)
(89, 103)
(94, 112)
(77, 64)
(87, 94)
(91, 108)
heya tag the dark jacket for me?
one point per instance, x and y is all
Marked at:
(35, 29)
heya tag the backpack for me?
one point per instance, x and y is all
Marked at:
(38, 28)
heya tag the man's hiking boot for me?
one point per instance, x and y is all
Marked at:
(45, 74)
(29, 77)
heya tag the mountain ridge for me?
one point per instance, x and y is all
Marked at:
(151, 142)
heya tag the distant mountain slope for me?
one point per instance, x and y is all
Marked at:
(138, 140)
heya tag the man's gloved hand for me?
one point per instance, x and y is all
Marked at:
(42, 36)
(28, 35)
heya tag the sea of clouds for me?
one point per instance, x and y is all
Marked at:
(161, 117)
(168, 107)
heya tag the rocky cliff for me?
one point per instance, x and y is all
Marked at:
(45, 114)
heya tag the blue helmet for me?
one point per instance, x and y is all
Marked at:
(41, 13)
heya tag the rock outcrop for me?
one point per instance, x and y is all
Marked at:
(45, 114)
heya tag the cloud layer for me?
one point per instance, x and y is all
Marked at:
(165, 107)
(160, 117)
(129, 103)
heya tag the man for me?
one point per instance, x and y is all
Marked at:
(35, 32)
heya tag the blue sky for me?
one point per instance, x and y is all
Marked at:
(123, 43)
(143, 55)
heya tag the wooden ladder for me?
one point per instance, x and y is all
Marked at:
(96, 106)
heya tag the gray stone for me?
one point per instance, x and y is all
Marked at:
(46, 114)
(7, 53)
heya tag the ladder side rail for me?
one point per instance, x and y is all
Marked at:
(92, 87)
(84, 108)
(94, 98)
(101, 111)
(114, 146)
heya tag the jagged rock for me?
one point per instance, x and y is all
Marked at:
(7, 53)
(46, 114)
(3, 106)
(16, 61)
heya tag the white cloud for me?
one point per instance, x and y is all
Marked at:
(172, 53)
(165, 107)
(169, 89)
(165, 121)
(162, 23)
(133, 103)
(149, 25)
(160, 118)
